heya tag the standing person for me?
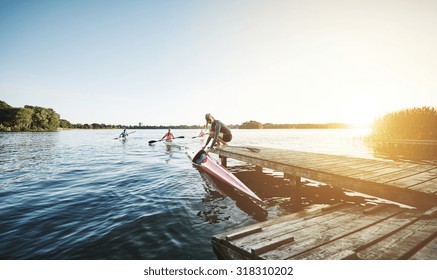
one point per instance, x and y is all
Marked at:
(168, 136)
(221, 133)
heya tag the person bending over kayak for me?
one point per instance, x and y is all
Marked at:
(221, 134)
(168, 136)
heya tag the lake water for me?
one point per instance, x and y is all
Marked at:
(81, 194)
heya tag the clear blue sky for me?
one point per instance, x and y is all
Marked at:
(170, 62)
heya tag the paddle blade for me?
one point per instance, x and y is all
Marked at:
(180, 137)
(152, 141)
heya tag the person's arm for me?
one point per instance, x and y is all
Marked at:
(207, 141)
(216, 133)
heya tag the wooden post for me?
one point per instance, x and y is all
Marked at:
(224, 161)
(296, 198)
(258, 169)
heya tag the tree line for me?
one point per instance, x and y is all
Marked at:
(257, 125)
(413, 123)
(35, 118)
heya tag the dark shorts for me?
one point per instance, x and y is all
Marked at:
(227, 137)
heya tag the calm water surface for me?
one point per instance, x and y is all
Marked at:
(81, 194)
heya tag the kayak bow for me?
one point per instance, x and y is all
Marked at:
(212, 167)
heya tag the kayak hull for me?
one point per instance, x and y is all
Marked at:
(212, 167)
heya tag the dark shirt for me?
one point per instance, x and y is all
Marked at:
(218, 127)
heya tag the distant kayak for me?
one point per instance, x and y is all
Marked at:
(154, 141)
(212, 167)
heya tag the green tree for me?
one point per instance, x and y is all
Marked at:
(53, 119)
(22, 119)
(65, 124)
(44, 119)
(251, 125)
(4, 105)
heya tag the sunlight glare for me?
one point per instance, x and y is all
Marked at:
(360, 110)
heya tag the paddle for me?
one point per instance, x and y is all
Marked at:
(154, 141)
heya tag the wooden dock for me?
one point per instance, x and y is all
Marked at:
(343, 231)
(404, 182)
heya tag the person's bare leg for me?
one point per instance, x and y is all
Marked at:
(222, 142)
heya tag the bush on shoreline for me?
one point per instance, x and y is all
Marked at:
(411, 124)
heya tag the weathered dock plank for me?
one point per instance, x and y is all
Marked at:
(415, 179)
(347, 232)
(290, 227)
(401, 173)
(359, 239)
(354, 167)
(427, 186)
(427, 252)
(403, 182)
(403, 243)
(316, 235)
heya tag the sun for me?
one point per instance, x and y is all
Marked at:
(360, 110)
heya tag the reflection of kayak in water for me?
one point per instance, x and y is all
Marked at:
(212, 167)
(171, 144)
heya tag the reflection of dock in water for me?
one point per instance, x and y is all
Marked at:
(341, 231)
(404, 148)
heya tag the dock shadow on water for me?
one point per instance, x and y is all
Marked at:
(276, 192)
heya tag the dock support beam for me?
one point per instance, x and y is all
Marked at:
(224, 161)
(296, 198)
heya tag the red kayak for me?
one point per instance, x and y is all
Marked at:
(212, 167)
